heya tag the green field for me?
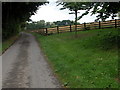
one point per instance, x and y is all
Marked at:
(88, 61)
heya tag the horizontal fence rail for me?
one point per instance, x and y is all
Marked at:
(81, 27)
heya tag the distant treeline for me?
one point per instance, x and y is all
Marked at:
(42, 24)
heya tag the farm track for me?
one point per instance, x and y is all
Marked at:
(24, 66)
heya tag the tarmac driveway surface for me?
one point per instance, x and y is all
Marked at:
(24, 66)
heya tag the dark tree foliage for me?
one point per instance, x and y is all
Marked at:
(64, 23)
(103, 9)
(36, 25)
(42, 24)
(14, 16)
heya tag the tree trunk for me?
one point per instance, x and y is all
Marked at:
(75, 23)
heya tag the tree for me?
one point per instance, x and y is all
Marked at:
(73, 6)
(52, 25)
(41, 24)
(14, 14)
(36, 25)
(64, 23)
(47, 24)
(103, 9)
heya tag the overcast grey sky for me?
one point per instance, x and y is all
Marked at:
(51, 12)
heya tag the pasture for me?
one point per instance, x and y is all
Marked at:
(88, 61)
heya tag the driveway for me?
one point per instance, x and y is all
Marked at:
(24, 66)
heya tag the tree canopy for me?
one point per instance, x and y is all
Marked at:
(36, 25)
(42, 24)
(64, 23)
(15, 14)
(72, 6)
(103, 9)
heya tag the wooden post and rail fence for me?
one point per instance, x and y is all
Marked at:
(81, 27)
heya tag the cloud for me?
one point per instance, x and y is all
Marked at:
(51, 12)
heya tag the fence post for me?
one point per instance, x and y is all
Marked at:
(70, 29)
(57, 29)
(84, 25)
(99, 25)
(115, 23)
(46, 31)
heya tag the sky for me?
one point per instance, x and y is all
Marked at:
(50, 13)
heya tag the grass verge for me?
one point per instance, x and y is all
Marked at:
(6, 44)
(88, 61)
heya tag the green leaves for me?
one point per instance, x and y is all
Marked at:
(73, 6)
(103, 9)
(15, 14)
(83, 15)
(62, 8)
(72, 13)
